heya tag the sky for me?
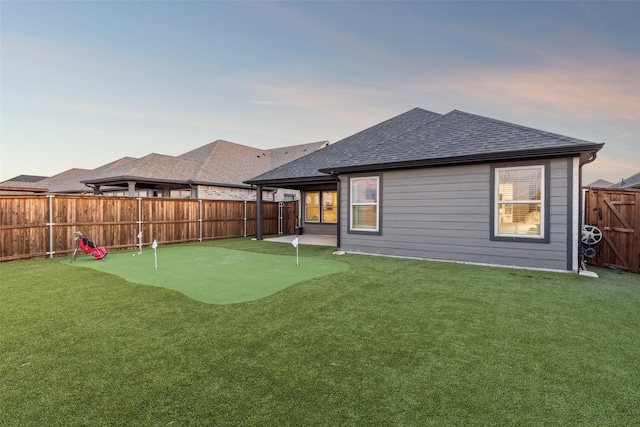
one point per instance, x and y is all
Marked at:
(84, 83)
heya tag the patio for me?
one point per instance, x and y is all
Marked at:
(307, 239)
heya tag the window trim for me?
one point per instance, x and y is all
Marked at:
(378, 230)
(544, 203)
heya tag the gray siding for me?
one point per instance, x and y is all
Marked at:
(322, 229)
(444, 213)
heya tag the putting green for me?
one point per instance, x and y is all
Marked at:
(211, 274)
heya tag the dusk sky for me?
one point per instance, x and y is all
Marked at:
(86, 83)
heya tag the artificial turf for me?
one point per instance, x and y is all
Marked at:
(213, 275)
(389, 342)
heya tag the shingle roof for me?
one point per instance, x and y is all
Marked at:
(632, 182)
(72, 180)
(228, 163)
(24, 179)
(404, 141)
(308, 167)
(67, 181)
(600, 183)
(217, 163)
(461, 136)
(152, 167)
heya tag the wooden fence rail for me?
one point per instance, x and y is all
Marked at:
(616, 213)
(39, 226)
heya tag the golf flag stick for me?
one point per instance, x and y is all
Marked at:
(140, 242)
(154, 245)
(295, 245)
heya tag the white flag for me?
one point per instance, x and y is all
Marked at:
(140, 235)
(295, 242)
(154, 244)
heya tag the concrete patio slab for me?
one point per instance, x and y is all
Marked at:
(306, 239)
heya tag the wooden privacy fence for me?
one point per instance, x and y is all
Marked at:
(616, 213)
(38, 226)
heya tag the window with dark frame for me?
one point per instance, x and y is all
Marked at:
(364, 204)
(321, 206)
(519, 202)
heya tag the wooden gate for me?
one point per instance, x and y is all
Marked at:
(616, 213)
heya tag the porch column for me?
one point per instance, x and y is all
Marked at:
(259, 212)
(132, 188)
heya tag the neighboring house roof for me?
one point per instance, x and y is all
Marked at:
(66, 181)
(152, 167)
(632, 182)
(22, 184)
(24, 178)
(422, 138)
(600, 183)
(227, 163)
(72, 181)
(14, 187)
(218, 163)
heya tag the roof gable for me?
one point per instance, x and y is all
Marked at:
(461, 136)
(423, 138)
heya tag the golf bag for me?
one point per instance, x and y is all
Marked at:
(86, 245)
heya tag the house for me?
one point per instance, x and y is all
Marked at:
(633, 182)
(455, 187)
(214, 171)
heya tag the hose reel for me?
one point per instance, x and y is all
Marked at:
(591, 238)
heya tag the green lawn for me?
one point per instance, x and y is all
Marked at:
(388, 342)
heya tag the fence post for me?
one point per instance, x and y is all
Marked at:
(245, 218)
(139, 218)
(200, 219)
(50, 224)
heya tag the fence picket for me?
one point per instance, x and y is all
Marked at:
(37, 226)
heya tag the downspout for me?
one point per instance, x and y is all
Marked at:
(193, 187)
(337, 178)
(581, 202)
(95, 188)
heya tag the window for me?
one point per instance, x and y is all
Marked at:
(312, 206)
(519, 202)
(364, 204)
(329, 206)
(321, 206)
(180, 194)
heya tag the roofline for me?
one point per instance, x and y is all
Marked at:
(26, 189)
(294, 182)
(124, 179)
(509, 155)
